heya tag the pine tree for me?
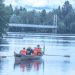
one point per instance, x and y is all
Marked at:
(3, 19)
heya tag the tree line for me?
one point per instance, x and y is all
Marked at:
(65, 17)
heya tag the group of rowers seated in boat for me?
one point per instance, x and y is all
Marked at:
(30, 51)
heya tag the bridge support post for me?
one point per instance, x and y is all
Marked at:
(55, 24)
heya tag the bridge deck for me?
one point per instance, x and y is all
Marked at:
(31, 25)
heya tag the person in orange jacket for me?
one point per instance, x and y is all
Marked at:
(23, 51)
(37, 50)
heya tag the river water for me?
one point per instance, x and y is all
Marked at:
(49, 65)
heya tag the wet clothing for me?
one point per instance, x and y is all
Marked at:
(23, 52)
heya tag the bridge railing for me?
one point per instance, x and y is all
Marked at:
(31, 25)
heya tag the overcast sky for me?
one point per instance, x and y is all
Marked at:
(38, 4)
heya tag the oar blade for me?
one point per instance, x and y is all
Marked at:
(67, 56)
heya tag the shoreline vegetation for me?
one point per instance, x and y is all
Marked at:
(65, 17)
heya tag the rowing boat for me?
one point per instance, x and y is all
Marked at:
(27, 57)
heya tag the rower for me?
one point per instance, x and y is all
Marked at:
(23, 51)
(37, 50)
(29, 51)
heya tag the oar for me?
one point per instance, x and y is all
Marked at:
(5, 56)
(54, 55)
(58, 55)
(44, 48)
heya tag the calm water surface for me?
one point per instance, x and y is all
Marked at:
(48, 65)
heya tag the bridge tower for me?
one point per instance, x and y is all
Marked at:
(55, 23)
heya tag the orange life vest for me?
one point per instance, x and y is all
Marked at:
(23, 52)
(38, 50)
(35, 52)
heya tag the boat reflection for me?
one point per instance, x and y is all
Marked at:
(28, 65)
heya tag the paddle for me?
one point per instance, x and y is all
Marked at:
(44, 54)
(44, 48)
(5, 56)
(54, 55)
(58, 55)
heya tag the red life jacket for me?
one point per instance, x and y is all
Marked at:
(35, 52)
(23, 52)
(38, 50)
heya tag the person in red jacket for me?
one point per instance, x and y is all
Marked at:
(23, 51)
(37, 50)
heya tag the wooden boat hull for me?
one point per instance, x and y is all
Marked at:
(27, 57)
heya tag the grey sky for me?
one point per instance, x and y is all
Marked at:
(38, 4)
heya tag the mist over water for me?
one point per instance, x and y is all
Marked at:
(48, 65)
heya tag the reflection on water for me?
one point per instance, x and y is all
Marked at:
(28, 65)
(4, 48)
(6, 66)
(50, 65)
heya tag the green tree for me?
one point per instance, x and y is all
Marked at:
(43, 16)
(67, 8)
(3, 18)
(23, 15)
(9, 12)
(49, 19)
(68, 15)
(15, 19)
(16, 11)
(31, 17)
(72, 28)
(61, 27)
(37, 18)
(65, 17)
